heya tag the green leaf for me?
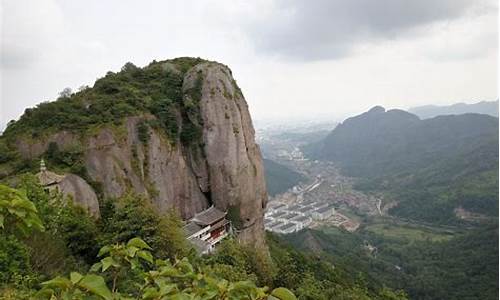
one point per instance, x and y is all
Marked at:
(21, 213)
(165, 288)
(185, 266)
(146, 255)
(45, 293)
(210, 294)
(104, 250)
(75, 277)
(223, 285)
(151, 293)
(131, 251)
(24, 203)
(283, 294)
(108, 262)
(137, 242)
(58, 282)
(2, 218)
(134, 263)
(96, 267)
(96, 285)
(180, 296)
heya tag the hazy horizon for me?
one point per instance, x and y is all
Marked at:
(292, 59)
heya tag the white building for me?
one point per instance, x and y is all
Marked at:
(302, 221)
(305, 211)
(273, 226)
(273, 207)
(320, 205)
(323, 213)
(288, 217)
(286, 228)
(293, 208)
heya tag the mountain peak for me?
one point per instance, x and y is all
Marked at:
(377, 109)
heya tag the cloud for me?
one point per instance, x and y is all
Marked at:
(29, 30)
(332, 29)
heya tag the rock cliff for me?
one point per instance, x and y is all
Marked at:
(213, 161)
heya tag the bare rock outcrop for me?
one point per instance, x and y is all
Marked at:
(81, 192)
(235, 166)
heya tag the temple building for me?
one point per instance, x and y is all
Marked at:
(206, 229)
(49, 180)
(70, 185)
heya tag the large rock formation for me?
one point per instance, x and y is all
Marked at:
(234, 164)
(79, 190)
(223, 167)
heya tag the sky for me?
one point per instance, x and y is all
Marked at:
(322, 59)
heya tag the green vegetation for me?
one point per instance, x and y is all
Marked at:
(279, 178)
(397, 230)
(437, 266)
(156, 279)
(143, 132)
(233, 215)
(192, 130)
(17, 213)
(430, 167)
(70, 160)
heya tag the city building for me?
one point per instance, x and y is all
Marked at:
(320, 205)
(293, 208)
(274, 226)
(278, 215)
(308, 203)
(286, 228)
(274, 206)
(323, 213)
(305, 211)
(268, 221)
(288, 217)
(302, 221)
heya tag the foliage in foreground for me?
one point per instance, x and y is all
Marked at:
(157, 279)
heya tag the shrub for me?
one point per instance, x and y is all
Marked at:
(143, 132)
(13, 258)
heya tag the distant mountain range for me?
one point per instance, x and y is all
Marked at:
(430, 167)
(430, 111)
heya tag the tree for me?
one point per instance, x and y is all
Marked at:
(66, 93)
(83, 88)
(18, 216)
(17, 212)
